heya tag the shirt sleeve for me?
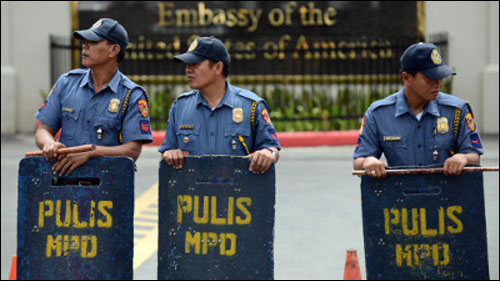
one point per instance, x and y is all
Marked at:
(368, 141)
(136, 124)
(468, 139)
(265, 134)
(50, 111)
(170, 141)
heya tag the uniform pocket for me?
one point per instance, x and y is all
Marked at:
(396, 150)
(188, 140)
(106, 131)
(232, 143)
(69, 123)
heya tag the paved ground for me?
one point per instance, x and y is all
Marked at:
(318, 210)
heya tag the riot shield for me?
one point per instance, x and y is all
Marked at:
(78, 226)
(216, 220)
(425, 227)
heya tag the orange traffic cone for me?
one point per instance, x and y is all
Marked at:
(351, 270)
(13, 269)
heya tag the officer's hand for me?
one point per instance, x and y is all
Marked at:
(454, 165)
(261, 161)
(50, 149)
(174, 158)
(374, 167)
(70, 162)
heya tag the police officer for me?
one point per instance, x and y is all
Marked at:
(419, 125)
(98, 105)
(216, 117)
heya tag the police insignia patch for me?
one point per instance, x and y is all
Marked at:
(362, 125)
(476, 142)
(96, 24)
(273, 134)
(265, 116)
(436, 57)
(470, 122)
(238, 115)
(114, 105)
(43, 105)
(145, 127)
(143, 108)
(442, 125)
(193, 45)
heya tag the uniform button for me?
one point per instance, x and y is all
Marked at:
(420, 165)
(88, 121)
(212, 134)
(419, 146)
(418, 126)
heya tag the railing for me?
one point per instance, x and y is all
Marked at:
(321, 87)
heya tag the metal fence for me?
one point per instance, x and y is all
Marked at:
(321, 87)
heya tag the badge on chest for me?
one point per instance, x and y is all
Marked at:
(238, 115)
(442, 125)
(114, 105)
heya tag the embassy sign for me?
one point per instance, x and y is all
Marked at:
(265, 35)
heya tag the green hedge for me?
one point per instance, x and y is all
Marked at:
(309, 110)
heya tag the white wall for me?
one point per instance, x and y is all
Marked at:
(473, 52)
(25, 58)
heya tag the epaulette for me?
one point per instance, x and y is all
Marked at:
(470, 108)
(187, 94)
(132, 86)
(78, 71)
(390, 100)
(449, 100)
(247, 94)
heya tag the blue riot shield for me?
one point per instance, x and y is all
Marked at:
(216, 220)
(78, 226)
(425, 227)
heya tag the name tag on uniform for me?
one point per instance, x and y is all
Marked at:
(392, 138)
(186, 127)
(65, 109)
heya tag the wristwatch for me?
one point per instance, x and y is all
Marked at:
(273, 152)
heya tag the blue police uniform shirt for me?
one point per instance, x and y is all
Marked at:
(194, 127)
(390, 127)
(86, 117)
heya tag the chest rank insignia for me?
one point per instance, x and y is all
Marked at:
(238, 115)
(114, 105)
(442, 125)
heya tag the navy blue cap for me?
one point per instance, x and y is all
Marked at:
(425, 58)
(105, 29)
(204, 48)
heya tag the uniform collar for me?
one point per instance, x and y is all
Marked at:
(402, 106)
(113, 84)
(227, 100)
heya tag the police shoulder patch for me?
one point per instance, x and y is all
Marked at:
(476, 142)
(362, 125)
(145, 127)
(469, 120)
(265, 116)
(143, 107)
